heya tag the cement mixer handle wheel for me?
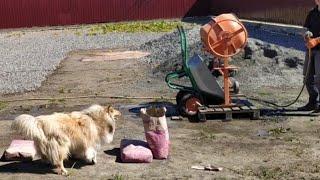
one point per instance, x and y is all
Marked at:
(230, 36)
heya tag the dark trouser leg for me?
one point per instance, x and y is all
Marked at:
(317, 73)
(310, 78)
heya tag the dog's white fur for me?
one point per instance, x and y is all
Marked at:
(60, 135)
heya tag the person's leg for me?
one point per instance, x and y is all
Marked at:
(317, 74)
(309, 72)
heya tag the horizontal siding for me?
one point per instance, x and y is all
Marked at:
(282, 11)
(28, 13)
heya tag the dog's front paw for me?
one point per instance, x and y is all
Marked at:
(60, 171)
(91, 156)
(64, 173)
(94, 160)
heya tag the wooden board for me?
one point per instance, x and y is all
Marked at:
(242, 106)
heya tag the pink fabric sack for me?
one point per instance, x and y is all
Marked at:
(156, 131)
(135, 151)
(158, 144)
(20, 150)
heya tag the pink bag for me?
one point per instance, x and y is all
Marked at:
(135, 151)
(20, 150)
(156, 131)
(158, 144)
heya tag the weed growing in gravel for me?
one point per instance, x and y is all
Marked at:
(72, 171)
(298, 151)
(3, 105)
(61, 100)
(52, 101)
(263, 172)
(78, 33)
(61, 90)
(16, 34)
(291, 139)
(206, 135)
(263, 92)
(150, 26)
(278, 131)
(118, 177)
(270, 173)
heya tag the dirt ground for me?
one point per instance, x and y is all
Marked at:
(290, 151)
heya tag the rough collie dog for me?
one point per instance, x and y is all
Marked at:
(75, 134)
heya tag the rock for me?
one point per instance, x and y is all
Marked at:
(270, 51)
(293, 62)
(263, 133)
(252, 47)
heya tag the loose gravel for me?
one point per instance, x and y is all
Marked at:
(28, 57)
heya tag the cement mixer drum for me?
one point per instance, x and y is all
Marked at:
(224, 36)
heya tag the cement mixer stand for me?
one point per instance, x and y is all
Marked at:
(224, 37)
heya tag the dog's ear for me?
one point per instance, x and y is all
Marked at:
(109, 109)
(112, 111)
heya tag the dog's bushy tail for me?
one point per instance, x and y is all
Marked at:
(27, 126)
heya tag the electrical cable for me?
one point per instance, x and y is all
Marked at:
(297, 98)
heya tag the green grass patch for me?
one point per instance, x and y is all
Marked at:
(61, 100)
(270, 173)
(78, 33)
(137, 26)
(61, 90)
(298, 151)
(3, 105)
(263, 93)
(278, 131)
(52, 101)
(206, 135)
(119, 177)
(263, 172)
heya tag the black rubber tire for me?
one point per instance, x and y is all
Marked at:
(202, 117)
(194, 119)
(182, 106)
(236, 87)
(179, 96)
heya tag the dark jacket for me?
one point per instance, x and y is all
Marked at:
(312, 23)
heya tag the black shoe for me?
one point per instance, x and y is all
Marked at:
(308, 107)
(316, 110)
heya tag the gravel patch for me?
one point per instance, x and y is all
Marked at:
(270, 65)
(27, 58)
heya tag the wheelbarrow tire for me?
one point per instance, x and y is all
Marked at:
(188, 106)
(236, 87)
(179, 96)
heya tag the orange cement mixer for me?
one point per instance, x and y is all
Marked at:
(224, 36)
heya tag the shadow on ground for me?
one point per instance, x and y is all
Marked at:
(37, 167)
(286, 112)
(114, 152)
(171, 108)
(34, 167)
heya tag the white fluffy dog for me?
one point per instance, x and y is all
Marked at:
(76, 134)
